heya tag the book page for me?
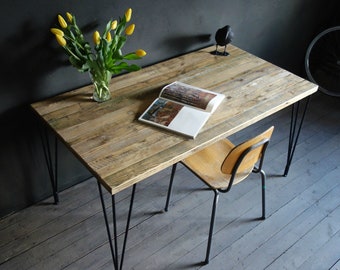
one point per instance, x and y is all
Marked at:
(176, 117)
(190, 95)
(162, 112)
(189, 121)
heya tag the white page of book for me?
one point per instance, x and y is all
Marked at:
(189, 121)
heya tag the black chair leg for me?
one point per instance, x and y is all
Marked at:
(263, 180)
(173, 171)
(212, 223)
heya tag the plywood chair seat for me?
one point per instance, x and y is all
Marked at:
(222, 165)
(207, 163)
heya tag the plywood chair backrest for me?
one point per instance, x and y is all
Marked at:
(251, 157)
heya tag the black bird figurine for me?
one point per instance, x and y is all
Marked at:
(223, 37)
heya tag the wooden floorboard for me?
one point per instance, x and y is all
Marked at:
(302, 229)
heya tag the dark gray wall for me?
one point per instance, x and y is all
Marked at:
(33, 67)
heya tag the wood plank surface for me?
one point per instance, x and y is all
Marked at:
(301, 230)
(121, 151)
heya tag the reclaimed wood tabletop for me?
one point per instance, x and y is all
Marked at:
(120, 151)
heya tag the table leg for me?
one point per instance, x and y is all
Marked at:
(52, 166)
(118, 265)
(295, 129)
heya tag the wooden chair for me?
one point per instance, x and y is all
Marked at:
(222, 165)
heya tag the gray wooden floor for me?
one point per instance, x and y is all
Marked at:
(302, 229)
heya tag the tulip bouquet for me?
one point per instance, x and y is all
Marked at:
(106, 58)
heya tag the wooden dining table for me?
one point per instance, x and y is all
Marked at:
(121, 151)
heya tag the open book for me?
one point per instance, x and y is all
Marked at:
(182, 108)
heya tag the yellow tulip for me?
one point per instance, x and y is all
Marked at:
(129, 30)
(69, 16)
(128, 14)
(114, 25)
(61, 41)
(57, 31)
(62, 22)
(140, 53)
(108, 36)
(96, 38)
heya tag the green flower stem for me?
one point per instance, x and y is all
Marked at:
(75, 41)
(101, 79)
(73, 54)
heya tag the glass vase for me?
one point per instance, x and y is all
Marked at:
(101, 80)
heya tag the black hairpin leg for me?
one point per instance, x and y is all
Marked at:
(52, 163)
(295, 129)
(118, 265)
